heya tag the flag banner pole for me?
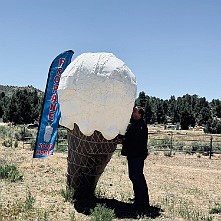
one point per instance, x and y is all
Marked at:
(50, 114)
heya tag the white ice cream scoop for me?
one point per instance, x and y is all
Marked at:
(97, 92)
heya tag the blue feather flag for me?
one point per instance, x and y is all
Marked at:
(50, 115)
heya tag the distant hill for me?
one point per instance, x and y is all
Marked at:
(9, 90)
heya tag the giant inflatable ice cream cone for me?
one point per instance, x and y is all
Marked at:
(96, 95)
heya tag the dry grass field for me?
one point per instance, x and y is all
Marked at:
(181, 187)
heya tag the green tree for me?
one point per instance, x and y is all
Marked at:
(213, 126)
(187, 119)
(22, 107)
(6, 108)
(216, 108)
(2, 95)
(141, 100)
(203, 116)
(160, 111)
(148, 116)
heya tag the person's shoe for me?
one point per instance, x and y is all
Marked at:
(141, 206)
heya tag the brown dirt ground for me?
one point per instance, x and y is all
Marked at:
(183, 183)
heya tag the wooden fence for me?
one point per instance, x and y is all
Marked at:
(167, 141)
(189, 143)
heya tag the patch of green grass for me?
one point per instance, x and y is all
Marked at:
(11, 173)
(102, 213)
(23, 210)
(179, 207)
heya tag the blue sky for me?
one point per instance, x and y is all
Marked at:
(172, 46)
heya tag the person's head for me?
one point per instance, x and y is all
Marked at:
(138, 113)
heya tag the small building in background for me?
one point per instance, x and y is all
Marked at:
(171, 127)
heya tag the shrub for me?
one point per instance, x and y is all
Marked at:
(61, 147)
(61, 144)
(62, 134)
(7, 143)
(18, 136)
(102, 213)
(23, 133)
(213, 126)
(161, 142)
(10, 172)
(200, 146)
(3, 131)
(167, 152)
(187, 149)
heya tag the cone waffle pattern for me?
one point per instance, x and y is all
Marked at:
(87, 159)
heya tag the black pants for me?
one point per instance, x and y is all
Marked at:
(135, 169)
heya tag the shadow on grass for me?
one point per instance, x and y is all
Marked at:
(121, 209)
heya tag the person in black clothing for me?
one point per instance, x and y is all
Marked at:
(134, 147)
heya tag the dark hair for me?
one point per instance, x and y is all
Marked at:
(140, 110)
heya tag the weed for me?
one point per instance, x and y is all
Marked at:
(42, 214)
(72, 216)
(29, 201)
(68, 194)
(16, 144)
(102, 213)
(216, 209)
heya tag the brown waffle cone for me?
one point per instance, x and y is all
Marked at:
(87, 159)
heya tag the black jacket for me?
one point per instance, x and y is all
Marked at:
(135, 140)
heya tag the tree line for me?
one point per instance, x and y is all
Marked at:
(24, 106)
(188, 111)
